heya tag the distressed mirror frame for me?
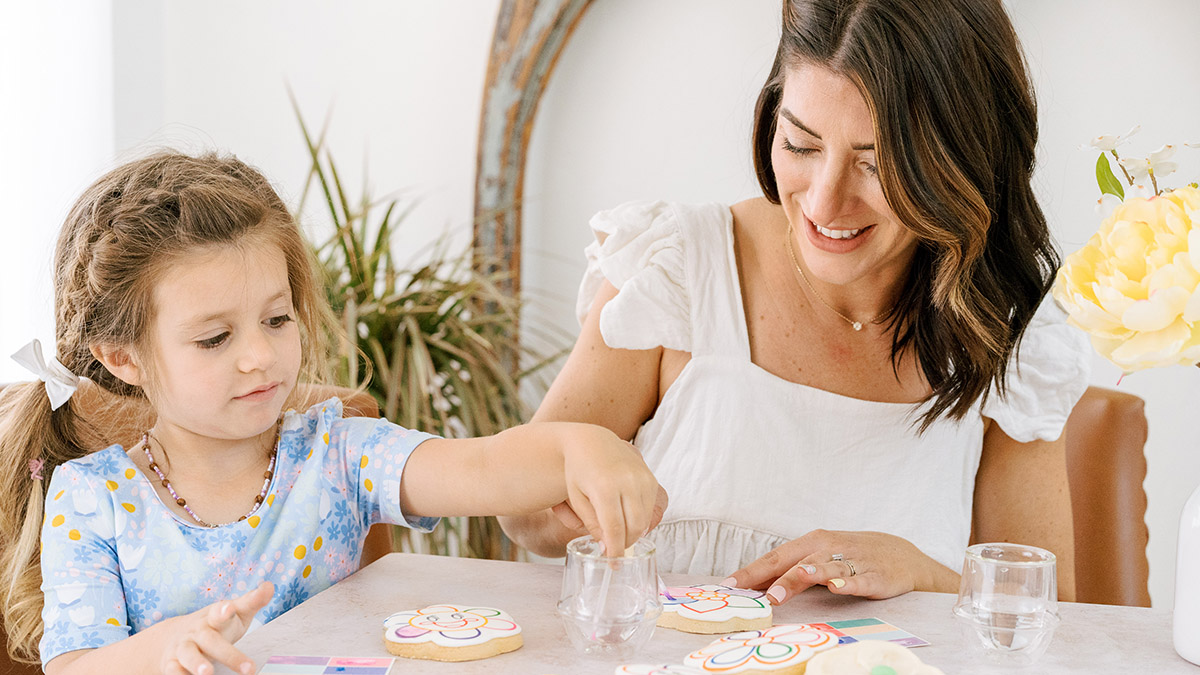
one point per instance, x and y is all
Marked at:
(529, 36)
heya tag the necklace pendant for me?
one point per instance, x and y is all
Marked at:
(857, 325)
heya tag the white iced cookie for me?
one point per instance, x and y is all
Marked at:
(780, 650)
(666, 669)
(869, 657)
(451, 633)
(713, 608)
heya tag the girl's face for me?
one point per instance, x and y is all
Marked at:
(825, 168)
(227, 347)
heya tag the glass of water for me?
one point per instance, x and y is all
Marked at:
(609, 604)
(1008, 601)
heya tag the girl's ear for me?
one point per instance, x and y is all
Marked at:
(120, 362)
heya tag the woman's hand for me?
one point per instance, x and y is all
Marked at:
(873, 565)
(610, 490)
(194, 641)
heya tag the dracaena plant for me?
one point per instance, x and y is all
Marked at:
(433, 338)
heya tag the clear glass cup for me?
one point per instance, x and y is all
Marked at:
(609, 604)
(1008, 601)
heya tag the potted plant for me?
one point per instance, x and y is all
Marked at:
(432, 341)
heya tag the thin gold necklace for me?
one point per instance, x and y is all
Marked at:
(792, 254)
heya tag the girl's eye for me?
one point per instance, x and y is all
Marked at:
(795, 150)
(213, 342)
(278, 321)
(871, 169)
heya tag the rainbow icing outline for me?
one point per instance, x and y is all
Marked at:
(649, 669)
(449, 625)
(714, 602)
(778, 647)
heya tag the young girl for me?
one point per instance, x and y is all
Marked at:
(185, 281)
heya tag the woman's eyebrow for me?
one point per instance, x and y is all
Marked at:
(787, 114)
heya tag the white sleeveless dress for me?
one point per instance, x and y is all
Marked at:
(750, 460)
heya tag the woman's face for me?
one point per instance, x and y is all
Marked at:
(824, 160)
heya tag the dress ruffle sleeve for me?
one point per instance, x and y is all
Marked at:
(1046, 379)
(639, 250)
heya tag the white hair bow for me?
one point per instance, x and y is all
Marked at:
(60, 382)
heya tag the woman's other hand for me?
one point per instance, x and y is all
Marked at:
(197, 640)
(872, 565)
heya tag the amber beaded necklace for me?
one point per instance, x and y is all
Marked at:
(182, 502)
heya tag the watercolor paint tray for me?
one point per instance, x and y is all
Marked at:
(327, 665)
(855, 630)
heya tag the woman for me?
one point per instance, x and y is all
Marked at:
(842, 353)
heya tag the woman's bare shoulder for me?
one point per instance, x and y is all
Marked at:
(754, 209)
(754, 217)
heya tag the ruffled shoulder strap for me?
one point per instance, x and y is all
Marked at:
(671, 266)
(1047, 378)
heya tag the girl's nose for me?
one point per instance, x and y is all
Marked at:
(257, 354)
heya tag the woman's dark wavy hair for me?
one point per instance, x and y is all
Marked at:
(955, 128)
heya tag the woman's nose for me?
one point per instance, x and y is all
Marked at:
(826, 197)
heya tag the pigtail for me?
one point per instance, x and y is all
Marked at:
(33, 441)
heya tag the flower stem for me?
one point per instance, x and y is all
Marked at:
(1127, 176)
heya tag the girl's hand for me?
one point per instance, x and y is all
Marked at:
(198, 639)
(609, 488)
(874, 565)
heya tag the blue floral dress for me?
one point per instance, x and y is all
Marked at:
(115, 560)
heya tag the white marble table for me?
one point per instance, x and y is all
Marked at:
(346, 620)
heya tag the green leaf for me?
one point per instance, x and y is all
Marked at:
(1109, 185)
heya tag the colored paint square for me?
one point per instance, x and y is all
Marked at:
(354, 670)
(368, 662)
(291, 669)
(300, 660)
(855, 623)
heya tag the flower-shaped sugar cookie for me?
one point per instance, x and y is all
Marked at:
(781, 650)
(712, 608)
(451, 633)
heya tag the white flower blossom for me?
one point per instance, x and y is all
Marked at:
(1157, 165)
(1110, 142)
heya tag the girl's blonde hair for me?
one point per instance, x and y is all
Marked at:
(119, 239)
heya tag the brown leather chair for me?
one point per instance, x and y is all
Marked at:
(126, 428)
(1106, 465)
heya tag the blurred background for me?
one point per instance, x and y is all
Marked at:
(649, 100)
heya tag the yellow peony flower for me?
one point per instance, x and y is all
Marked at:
(1133, 287)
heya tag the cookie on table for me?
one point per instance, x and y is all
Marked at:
(713, 608)
(451, 633)
(780, 650)
(869, 657)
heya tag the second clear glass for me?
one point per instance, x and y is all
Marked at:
(1008, 601)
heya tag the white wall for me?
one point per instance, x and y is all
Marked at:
(649, 100)
(56, 129)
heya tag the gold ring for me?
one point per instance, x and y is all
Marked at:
(851, 566)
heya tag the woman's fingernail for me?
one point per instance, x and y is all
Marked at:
(730, 582)
(837, 583)
(777, 593)
(811, 569)
(247, 668)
